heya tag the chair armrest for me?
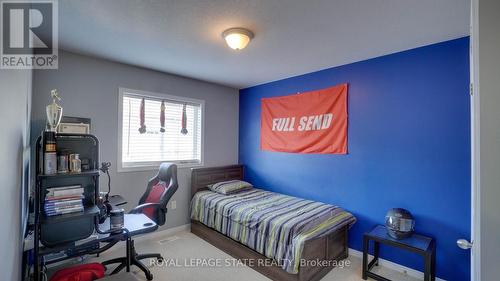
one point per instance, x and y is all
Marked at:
(139, 208)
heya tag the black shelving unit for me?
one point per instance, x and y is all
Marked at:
(57, 233)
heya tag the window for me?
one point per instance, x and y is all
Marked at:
(146, 150)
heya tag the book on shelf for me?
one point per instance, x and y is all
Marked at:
(64, 211)
(57, 208)
(65, 191)
(61, 204)
(64, 200)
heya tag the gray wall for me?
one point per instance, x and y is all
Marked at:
(489, 122)
(15, 95)
(89, 88)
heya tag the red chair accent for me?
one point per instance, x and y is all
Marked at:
(154, 196)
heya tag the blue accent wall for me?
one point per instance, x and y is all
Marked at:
(408, 142)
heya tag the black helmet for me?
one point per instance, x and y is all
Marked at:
(399, 223)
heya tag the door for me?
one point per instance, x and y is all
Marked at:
(473, 244)
(485, 136)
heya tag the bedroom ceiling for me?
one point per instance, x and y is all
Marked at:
(292, 37)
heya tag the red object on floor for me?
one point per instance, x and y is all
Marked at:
(84, 272)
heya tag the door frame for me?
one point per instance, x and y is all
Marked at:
(475, 143)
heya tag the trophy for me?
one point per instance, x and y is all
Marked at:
(54, 112)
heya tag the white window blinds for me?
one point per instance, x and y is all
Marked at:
(154, 146)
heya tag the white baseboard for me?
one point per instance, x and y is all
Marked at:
(393, 266)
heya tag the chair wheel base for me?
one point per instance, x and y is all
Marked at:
(135, 260)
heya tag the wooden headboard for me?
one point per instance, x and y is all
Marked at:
(201, 177)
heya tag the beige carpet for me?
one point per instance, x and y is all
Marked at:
(183, 250)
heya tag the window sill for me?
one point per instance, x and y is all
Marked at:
(155, 167)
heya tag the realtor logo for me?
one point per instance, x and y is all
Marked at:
(29, 35)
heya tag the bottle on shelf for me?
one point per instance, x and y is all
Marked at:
(62, 162)
(49, 153)
(76, 163)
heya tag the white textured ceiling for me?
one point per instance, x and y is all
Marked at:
(292, 37)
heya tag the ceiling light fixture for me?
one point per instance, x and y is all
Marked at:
(237, 38)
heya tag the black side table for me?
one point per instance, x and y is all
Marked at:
(422, 245)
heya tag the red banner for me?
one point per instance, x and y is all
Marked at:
(311, 122)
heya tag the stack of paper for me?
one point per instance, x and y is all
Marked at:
(64, 200)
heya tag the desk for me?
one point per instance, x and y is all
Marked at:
(136, 224)
(419, 244)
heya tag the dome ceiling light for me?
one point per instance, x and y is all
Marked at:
(237, 38)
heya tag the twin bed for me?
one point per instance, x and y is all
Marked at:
(282, 237)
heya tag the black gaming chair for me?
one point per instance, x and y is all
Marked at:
(153, 203)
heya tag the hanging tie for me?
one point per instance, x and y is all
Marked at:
(142, 129)
(184, 131)
(162, 117)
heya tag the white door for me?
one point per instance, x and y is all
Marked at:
(485, 136)
(474, 244)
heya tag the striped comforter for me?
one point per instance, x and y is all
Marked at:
(272, 224)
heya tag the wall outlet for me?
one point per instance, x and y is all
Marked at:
(173, 204)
